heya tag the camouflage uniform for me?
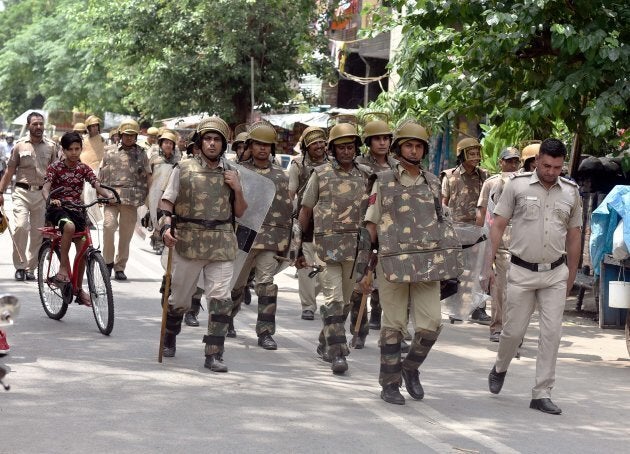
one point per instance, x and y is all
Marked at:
(206, 246)
(273, 239)
(462, 190)
(156, 161)
(127, 171)
(299, 173)
(418, 248)
(375, 306)
(338, 200)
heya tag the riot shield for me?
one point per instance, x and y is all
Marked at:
(470, 295)
(258, 192)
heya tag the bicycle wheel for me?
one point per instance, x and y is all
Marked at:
(51, 296)
(101, 292)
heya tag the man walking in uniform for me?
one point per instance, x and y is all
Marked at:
(544, 206)
(29, 160)
(126, 168)
(205, 194)
(509, 160)
(335, 198)
(404, 217)
(313, 147)
(273, 238)
(461, 187)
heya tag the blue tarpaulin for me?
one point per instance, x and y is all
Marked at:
(604, 221)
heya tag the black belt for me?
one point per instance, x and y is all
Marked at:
(204, 222)
(28, 188)
(537, 266)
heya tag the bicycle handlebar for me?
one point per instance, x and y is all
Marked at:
(82, 205)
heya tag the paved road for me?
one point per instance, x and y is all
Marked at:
(74, 390)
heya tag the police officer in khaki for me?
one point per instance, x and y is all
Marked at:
(335, 197)
(313, 148)
(28, 162)
(151, 141)
(239, 148)
(205, 194)
(92, 155)
(417, 248)
(273, 238)
(461, 187)
(377, 135)
(528, 156)
(546, 214)
(509, 160)
(126, 168)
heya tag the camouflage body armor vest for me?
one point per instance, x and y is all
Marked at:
(339, 211)
(417, 243)
(276, 228)
(204, 213)
(123, 170)
(369, 161)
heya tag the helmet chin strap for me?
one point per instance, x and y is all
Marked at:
(212, 159)
(412, 161)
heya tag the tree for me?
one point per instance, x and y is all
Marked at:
(530, 61)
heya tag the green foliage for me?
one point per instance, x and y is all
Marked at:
(157, 58)
(528, 62)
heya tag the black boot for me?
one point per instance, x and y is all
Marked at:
(190, 318)
(412, 383)
(168, 349)
(339, 365)
(231, 332)
(391, 394)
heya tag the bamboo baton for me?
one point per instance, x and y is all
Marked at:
(165, 295)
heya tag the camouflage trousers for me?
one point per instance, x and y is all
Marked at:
(391, 365)
(218, 320)
(333, 334)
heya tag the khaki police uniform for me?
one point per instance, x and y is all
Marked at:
(202, 256)
(540, 221)
(30, 162)
(338, 200)
(490, 194)
(127, 171)
(308, 288)
(92, 155)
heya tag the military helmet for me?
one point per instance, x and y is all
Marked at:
(92, 120)
(169, 135)
(241, 137)
(407, 130)
(311, 135)
(129, 127)
(343, 133)
(263, 132)
(468, 143)
(376, 128)
(213, 124)
(530, 151)
(153, 131)
(80, 128)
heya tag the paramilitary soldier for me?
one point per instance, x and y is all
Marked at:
(313, 148)
(417, 247)
(461, 187)
(335, 197)
(126, 168)
(273, 238)
(205, 194)
(161, 162)
(377, 135)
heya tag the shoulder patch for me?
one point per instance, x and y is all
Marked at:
(569, 181)
(522, 174)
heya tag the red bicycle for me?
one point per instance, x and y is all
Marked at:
(56, 297)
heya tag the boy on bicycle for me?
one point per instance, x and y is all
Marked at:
(70, 174)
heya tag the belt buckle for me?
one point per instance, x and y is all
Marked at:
(544, 267)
